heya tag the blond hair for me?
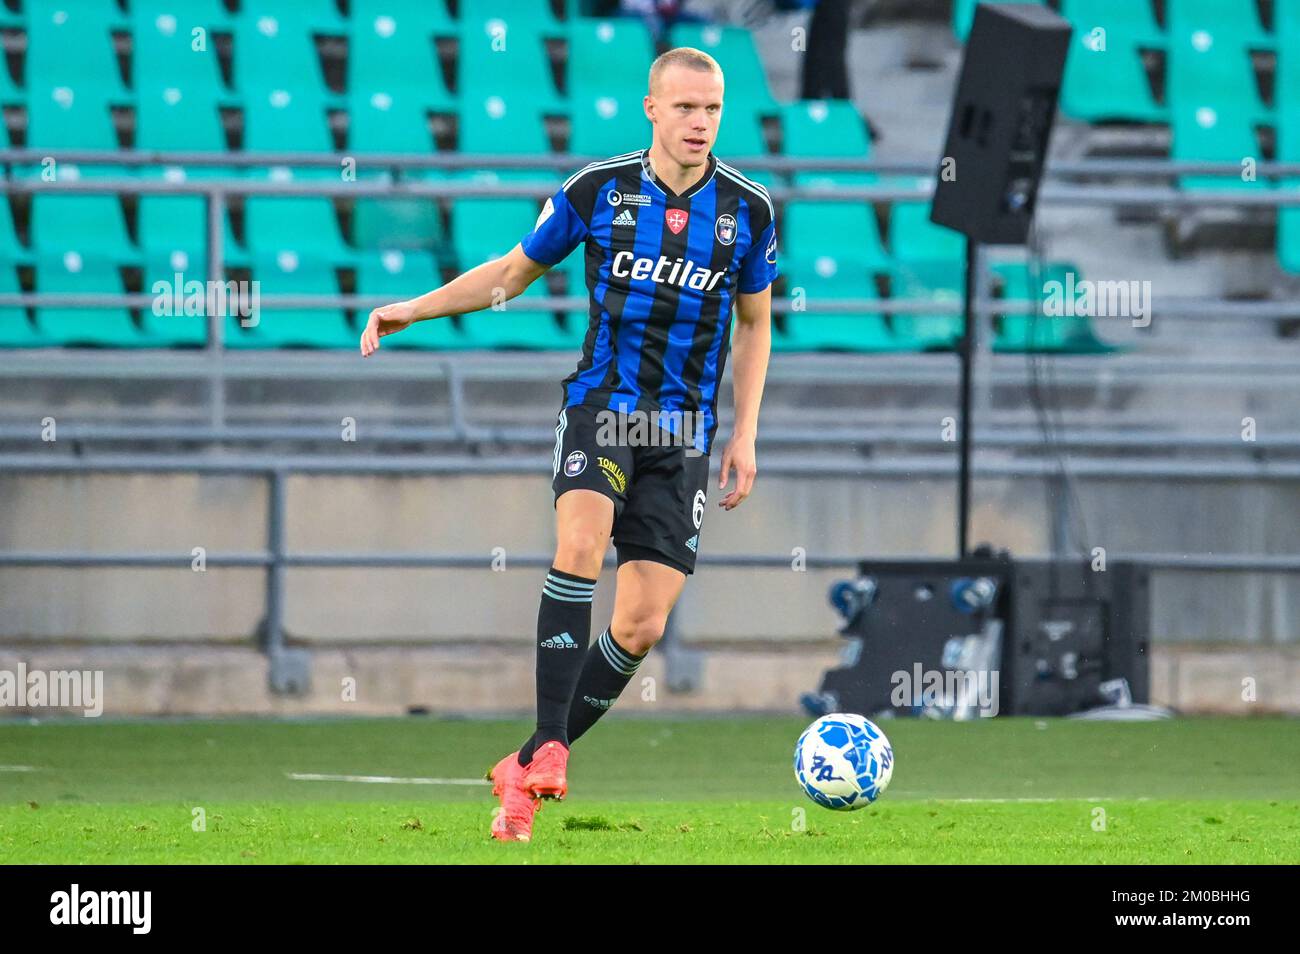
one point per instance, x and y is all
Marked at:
(686, 56)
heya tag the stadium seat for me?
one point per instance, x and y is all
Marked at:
(817, 280)
(941, 282)
(513, 328)
(286, 120)
(385, 120)
(536, 18)
(16, 328)
(397, 275)
(288, 273)
(73, 273)
(733, 47)
(1209, 60)
(1104, 75)
(168, 223)
(70, 45)
(275, 51)
(91, 225)
(177, 118)
(164, 54)
(825, 128)
(1039, 332)
(845, 230)
(12, 251)
(169, 277)
(607, 125)
(1214, 134)
(963, 15)
(1287, 83)
(504, 55)
(491, 123)
(914, 238)
(609, 58)
(391, 47)
(59, 117)
(391, 122)
(305, 225)
(741, 135)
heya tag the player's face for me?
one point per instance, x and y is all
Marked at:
(686, 110)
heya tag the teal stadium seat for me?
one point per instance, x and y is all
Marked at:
(1105, 78)
(1209, 58)
(286, 120)
(1286, 22)
(391, 47)
(493, 123)
(1035, 333)
(733, 47)
(287, 273)
(73, 273)
(399, 274)
(828, 277)
(305, 225)
(166, 52)
(70, 44)
(275, 49)
(741, 135)
(825, 128)
(393, 122)
(607, 125)
(169, 277)
(504, 54)
(12, 250)
(928, 262)
(609, 57)
(845, 230)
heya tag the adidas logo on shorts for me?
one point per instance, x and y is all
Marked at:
(693, 542)
(562, 641)
(625, 218)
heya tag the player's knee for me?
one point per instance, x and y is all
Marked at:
(582, 549)
(639, 632)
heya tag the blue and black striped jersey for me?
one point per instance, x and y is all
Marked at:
(663, 271)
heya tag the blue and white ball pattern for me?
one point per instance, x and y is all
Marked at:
(843, 761)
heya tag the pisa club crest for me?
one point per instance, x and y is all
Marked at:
(676, 219)
(725, 228)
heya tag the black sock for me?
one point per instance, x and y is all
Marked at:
(563, 631)
(607, 670)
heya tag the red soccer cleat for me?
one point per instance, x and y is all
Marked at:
(513, 821)
(544, 776)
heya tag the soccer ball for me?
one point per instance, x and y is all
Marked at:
(843, 761)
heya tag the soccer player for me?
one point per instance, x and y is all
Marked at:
(674, 239)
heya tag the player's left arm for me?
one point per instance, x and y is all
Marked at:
(751, 345)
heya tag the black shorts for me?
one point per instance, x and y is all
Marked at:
(658, 486)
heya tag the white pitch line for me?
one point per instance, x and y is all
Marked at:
(17, 768)
(384, 779)
(1073, 798)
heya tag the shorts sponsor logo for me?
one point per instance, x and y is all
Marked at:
(725, 228)
(613, 473)
(697, 509)
(575, 464)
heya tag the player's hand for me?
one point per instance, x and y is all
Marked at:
(738, 456)
(387, 320)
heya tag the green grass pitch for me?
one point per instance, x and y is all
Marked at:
(1198, 791)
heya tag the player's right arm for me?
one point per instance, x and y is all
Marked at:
(481, 287)
(558, 231)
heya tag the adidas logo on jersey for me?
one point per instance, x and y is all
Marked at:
(562, 641)
(625, 218)
(693, 542)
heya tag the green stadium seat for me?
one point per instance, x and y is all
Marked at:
(71, 45)
(275, 50)
(391, 47)
(1288, 232)
(284, 120)
(178, 119)
(502, 55)
(938, 281)
(16, 328)
(305, 225)
(397, 275)
(1104, 75)
(1038, 332)
(827, 278)
(529, 15)
(511, 328)
(734, 49)
(1210, 65)
(11, 249)
(170, 223)
(846, 231)
(287, 273)
(90, 225)
(169, 277)
(491, 123)
(163, 50)
(607, 125)
(59, 117)
(390, 122)
(609, 58)
(385, 120)
(1286, 24)
(1218, 135)
(741, 134)
(10, 94)
(71, 273)
(914, 238)
(963, 15)
(824, 128)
